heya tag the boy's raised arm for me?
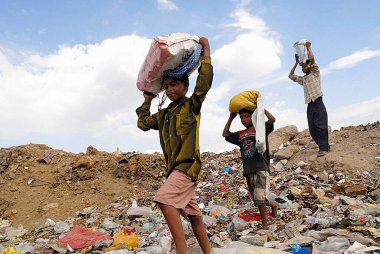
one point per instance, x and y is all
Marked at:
(291, 73)
(146, 121)
(271, 118)
(206, 47)
(310, 52)
(204, 79)
(226, 130)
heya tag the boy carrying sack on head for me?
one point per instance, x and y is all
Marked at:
(178, 127)
(255, 165)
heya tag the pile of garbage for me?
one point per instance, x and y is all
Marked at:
(321, 209)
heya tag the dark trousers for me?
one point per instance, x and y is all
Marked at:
(317, 120)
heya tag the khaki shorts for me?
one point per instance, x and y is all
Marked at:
(258, 185)
(179, 192)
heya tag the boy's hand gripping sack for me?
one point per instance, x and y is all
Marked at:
(168, 53)
(244, 100)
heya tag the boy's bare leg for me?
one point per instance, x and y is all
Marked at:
(200, 233)
(173, 219)
(264, 215)
(274, 206)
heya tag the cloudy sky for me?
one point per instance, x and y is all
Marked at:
(68, 69)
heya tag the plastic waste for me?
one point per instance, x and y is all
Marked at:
(305, 211)
(358, 248)
(209, 221)
(237, 224)
(322, 222)
(148, 227)
(10, 250)
(155, 249)
(244, 248)
(120, 252)
(25, 247)
(252, 239)
(139, 211)
(351, 201)
(124, 239)
(61, 227)
(166, 244)
(226, 169)
(80, 237)
(217, 211)
(297, 249)
(12, 232)
(109, 224)
(333, 244)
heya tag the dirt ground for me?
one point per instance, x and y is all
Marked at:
(38, 182)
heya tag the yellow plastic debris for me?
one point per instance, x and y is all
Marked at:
(10, 250)
(244, 100)
(124, 240)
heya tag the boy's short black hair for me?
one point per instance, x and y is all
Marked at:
(183, 79)
(245, 111)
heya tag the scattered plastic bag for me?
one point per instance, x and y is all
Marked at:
(209, 221)
(61, 227)
(237, 224)
(139, 211)
(334, 244)
(358, 248)
(244, 248)
(217, 211)
(10, 250)
(226, 169)
(166, 244)
(124, 239)
(80, 237)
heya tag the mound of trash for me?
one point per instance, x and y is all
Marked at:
(52, 201)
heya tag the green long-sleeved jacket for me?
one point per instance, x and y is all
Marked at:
(178, 126)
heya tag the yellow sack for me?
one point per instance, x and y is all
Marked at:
(10, 250)
(244, 100)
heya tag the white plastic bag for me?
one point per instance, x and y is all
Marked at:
(301, 51)
(165, 53)
(139, 211)
(258, 120)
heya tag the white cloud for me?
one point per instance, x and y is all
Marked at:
(351, 60)
(167, 5)
(342, 63)
(253, 54)
(358, 113)
(87, 89)
(288, 116)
